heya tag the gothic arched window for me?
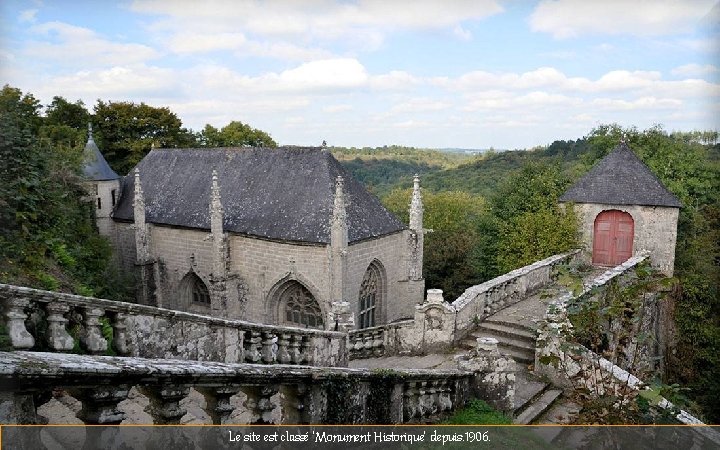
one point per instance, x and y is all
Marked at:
(370, 296)
(299, 307)
(194, 290)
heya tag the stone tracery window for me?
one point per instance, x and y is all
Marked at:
(299, 307)
(194, 290)
(370, 296)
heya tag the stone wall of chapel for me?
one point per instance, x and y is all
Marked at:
(401, 296)
(263, 264)
(655, 230)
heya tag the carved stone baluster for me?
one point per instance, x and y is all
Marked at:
(307, 349)
(359, 345)
(424, 407)
(295, 354)
(120, 337)
(252, 351)
(410, 402)
(368, 344)
(217, 402)
(378, 342)
(268, 341)
(446, 397)
(283, 355)
(99, 404)
(259, 402)
(164, 404)
(15, 316)
(297, 404)
(57, 336)
(92, 338)
(432, 398)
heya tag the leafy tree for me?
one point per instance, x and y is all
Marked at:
(127, 131)
(451, 257)
(65, 123)
(235, 134)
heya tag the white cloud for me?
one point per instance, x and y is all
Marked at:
(325, 74)
(571, 18)
(462, 33)
(695, 70)
(359, 24)
(337, 108)
(205, 42)
(65, 44)
(28, 15)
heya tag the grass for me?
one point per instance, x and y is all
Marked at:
(478, 413)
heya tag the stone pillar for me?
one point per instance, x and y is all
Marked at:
(57, 336)
(218, 278)
(146, 292)
(217, 401)
(92, 338)
(415, 245)
(338, 245)
(15, 316)
(341, 317)
(260, 403)
(164, 404)
(99, 404)
(494, 374)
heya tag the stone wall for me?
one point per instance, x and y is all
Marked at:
(257, 266)
(146, 331)
(438, 325)
(567, 363)
(655, 230)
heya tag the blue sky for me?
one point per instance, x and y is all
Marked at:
(425, 73)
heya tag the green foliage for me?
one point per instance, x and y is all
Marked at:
(127, 131)
(48, 237)
(234, 134)
(478, 412)
(451, 256)
(531, 224)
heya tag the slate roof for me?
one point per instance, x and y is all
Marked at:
(281, 194)
(620, 178)
(96, 168)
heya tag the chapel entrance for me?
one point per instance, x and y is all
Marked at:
(612, 238)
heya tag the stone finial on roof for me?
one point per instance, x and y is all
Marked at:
(339, 212)
(416, 206)
(139, 200)
(216, 208)
(142, 250)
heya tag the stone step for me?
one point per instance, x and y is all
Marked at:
(517, 328)
(538, 406)
(527, 389)
(505, 340)
(521, 355)
(504, 330)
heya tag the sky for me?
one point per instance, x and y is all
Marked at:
(423, 73)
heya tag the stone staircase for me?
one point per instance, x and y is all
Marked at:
(515, 340)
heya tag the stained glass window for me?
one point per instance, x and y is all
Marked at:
(369, 293)
(300, 307)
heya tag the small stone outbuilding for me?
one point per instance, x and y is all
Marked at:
(269, 235)
(624, 209)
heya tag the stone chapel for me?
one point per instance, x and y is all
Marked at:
(270, 235)
(624, 209)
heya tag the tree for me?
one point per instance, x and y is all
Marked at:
(235, 134)
(127, 131)
(65, 123)
(452, 261)
(530, 223)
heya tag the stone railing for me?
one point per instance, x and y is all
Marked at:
(150, 332)
(438, 325)
(239, 393)
(566, 362)
(483, 300)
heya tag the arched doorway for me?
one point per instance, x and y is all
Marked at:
(297, 306)
(612, 238)
(371, 296)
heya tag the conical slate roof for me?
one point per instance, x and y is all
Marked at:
(281, 194)
(96, 168)
(620, 178)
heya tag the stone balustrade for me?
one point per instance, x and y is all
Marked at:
(276, 394)
(483, 300)
(438, 325)
(150, 332)
(566, 362)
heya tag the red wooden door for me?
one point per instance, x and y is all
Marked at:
(612, 238)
